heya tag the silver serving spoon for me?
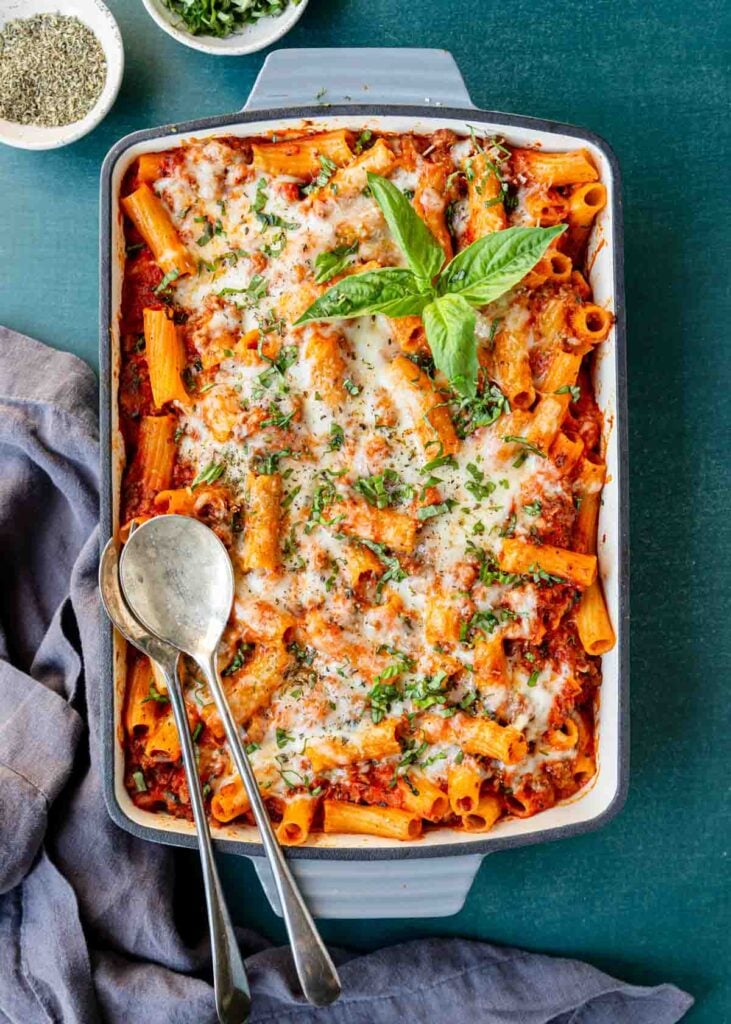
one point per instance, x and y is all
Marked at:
(178, 580)
(233, 999)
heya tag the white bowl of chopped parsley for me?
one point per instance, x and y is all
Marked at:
(227, 28)
(61, 64)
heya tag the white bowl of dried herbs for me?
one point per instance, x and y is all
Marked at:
(61, 64)
(227, 28)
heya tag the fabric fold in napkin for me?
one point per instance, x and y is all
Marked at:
(87, 933)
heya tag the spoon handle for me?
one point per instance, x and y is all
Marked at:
(315, 969)
(231, 987)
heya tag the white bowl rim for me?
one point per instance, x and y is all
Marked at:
(40, 137)
(227, 47)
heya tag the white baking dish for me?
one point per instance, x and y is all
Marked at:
(345, 876)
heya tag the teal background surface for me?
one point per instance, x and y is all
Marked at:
(646, 898)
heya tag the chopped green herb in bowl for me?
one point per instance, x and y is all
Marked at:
(227, 27)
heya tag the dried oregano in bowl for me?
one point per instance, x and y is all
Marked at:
(52, 70)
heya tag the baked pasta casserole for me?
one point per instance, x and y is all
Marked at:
(418, 621)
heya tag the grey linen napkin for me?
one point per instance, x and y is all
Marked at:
(86, 912)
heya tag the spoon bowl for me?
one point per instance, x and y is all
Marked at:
(177, 576)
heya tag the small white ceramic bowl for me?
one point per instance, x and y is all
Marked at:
(248, 40)
(100, 20)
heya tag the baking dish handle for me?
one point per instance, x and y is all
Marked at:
(429, 887)
(376, 76)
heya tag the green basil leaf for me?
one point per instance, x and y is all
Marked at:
(391, 290)
(328, 264)
(492, 265)
(450, 331)
(424, 254)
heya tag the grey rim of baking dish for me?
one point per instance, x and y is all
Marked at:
(107, 212)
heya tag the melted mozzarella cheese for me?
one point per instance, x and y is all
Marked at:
(255, 247)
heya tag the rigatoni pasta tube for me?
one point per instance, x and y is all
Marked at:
(179, 502)
(490, 739)
(230, 801)
(552, 266)
(348, 181)
(251, 689)
(296, 820)
(212, 721)
(442, 618)
(563, 736)
(263, 516)
(421, 797)
(563, 370)
(165, 357)
(140, 715)
(369, 743)
(520, 556)
(408, 333)
(508, 363)
(480, 736)
(584, 768)
(324, 354)
(430, 203)
(152, 220)
(389, 822)
(546, 420)
(551, 317)
(556, 169)
(585, 202)
(588, 488)
(156, 452)
(163, 742)
(590, 323)
(464, 782)
(592, 617)
(486, 211)
(490, 663)
(301, 157)
(333, 640)
(263, 621)
(427, 409)
(484, 816)
(565, 452)
(149, 167)
(559, 266)
(359, 562)
(396, 530)
(580, 286)
(544, 206)
(592, 621)
(584, 538)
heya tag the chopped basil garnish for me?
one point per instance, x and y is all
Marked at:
(570, 389)
(155, 695)
(384, 489)
(209, 474)
(330, 264)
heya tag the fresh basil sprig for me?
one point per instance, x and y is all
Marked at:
(392, 290)
(445, 298)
